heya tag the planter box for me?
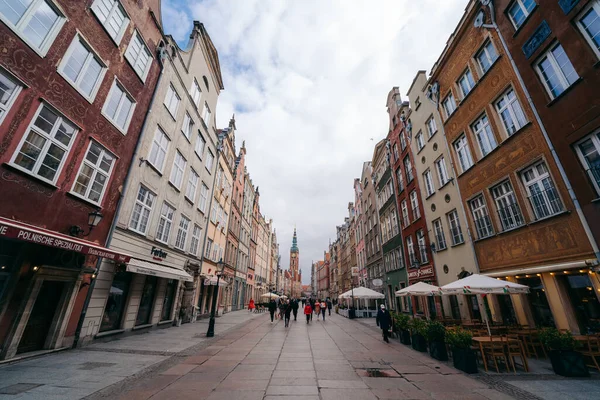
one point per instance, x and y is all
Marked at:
(465, 360)
(568, 363)
(438, 351)
(404, 336)
(419, 343)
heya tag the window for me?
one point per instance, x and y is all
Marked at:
(449, 104)
(9, 90)
(203, 198)
(139, 56)
(414, 204)
(429, 187)
(159, 148)
(82, 68)
(481, 218)
(511, 112)
(466, 83)
(164, 223)
(44, 147)
(196, 93)
(141, 210)
(589, 23)
(543, 196)
(405, 219)
(182, 232)
(195, 241)
(519, 11)
(402, 141)
(200, 144)
(455, 231)
(439, 234)
(588, 151)
(485, 136)
(408, 169)
(412, 258)
(431, 127)
(396, 153)
(422, 247)
(94, 173)
(556, 71)
(400, 180)
(486, 56)
(37, 22)
(190, 191)
(213, 213)
(112, 16)
(440, 165)
(119, 107)
(419, 140)
(506, 203)
(206, 115)
(209, 161)
(207, 252)
(188, 126)
(463, 153)
(172, 101)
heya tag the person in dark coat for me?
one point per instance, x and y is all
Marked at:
(312, 306)
(272, 308)
(295, 306)
(287, 311)
(384, 320)
(329, 305)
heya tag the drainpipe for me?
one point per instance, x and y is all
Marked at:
(113, 225)
(563, 174)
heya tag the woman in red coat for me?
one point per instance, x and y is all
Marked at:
(251, 305)
(307, 311)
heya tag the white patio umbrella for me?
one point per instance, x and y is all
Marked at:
(270, 296)
(419, 289)
(362, 293)
(481, 284)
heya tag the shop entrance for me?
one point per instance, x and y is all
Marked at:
(41, 317)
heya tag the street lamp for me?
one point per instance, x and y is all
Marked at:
(211, 322)
(94, 219)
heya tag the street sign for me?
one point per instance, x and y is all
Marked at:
(354, 271)
(377, 282)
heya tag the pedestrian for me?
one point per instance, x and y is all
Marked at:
(251, 305)
(281, 308)
(308, 312)
(384, 320)
(287, 312)
(318, 308)
(272, 308)
(329, 305)
(311, 301)
(295, 306)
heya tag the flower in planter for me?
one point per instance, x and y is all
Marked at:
(459, 338)
(553, 339)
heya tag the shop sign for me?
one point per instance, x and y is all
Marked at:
(354, 271)
(58, 242)
(158, 254)
(423, 272)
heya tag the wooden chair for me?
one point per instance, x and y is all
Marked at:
(514, 348)
(592, 351)
(533, 343)
(494, 350)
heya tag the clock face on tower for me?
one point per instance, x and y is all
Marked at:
(293, 255)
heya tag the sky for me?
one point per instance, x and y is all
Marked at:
(308, 83)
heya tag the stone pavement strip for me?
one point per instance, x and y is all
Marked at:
(76, 374)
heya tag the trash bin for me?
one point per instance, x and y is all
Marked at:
(351, 313)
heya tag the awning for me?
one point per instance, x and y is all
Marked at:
(212, 281)
(138, 266)
(33, 234)
(542, 268)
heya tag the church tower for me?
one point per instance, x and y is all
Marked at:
(294, 258)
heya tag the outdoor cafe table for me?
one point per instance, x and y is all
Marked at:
(480, 340)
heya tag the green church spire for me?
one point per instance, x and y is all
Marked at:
(295, 242)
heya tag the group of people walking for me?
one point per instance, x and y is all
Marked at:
(318, 307)
(288, 307)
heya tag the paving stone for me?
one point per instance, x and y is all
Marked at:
(180, 369)
(292, 398)
(347, 394)
(236, 395)
(243, 384)
(293, 374)
(337, 384)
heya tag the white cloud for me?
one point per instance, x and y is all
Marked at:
(308, 82)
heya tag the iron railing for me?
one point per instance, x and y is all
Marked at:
(510, 216)
(546, 203)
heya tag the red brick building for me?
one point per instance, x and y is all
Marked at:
(76, 79)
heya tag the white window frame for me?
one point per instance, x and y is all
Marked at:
(449, 104)
(200, 146)
(203, 201)
(479, 212)
(431, 127)
(556, 69)
(187, 127)
(134, 59)
(455, 229)
(195, 239)
(595, 139)
(167, 214)
(172, 99)
(546, 194)
(18, 28)
(160, 149)
(484, 50)
(412, 258)
(514, 109)
(440, 166)
(405, 217)
(422, 247)
(125, 93)
(470, 84)
(484, 134)
(96, 170)
(178, 170)
(182, 232)
(116, 5)
(196, 93)
(440, 237)
(429, 186)
(463, 153)
(206, 114)
(414, 204)
(505, 199)
(192, 185)
(149, 197)
(595, 5)
(91, 55)
(49, 139)
(408, 170)
(419, 141)
(522, 8)
(210, 159)
(5, 108)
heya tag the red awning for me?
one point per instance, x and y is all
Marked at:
(33, 234)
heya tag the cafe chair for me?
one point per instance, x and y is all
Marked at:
(514, 348)
(533, 343)
(494, 350)
(592, 351)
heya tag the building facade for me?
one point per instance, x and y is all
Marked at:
(371, 225)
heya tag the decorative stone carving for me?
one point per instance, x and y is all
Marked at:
(533, 43)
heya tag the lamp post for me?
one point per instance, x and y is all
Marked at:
(211, 323)
(94, 219)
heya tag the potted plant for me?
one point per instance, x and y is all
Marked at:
(419, 333)
(402, 325)
(436, 335)
(565, 360)
(463, 357)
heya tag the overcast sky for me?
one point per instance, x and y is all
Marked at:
(308, 81)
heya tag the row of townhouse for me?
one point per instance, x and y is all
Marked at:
(492, 167)
(121, 199)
